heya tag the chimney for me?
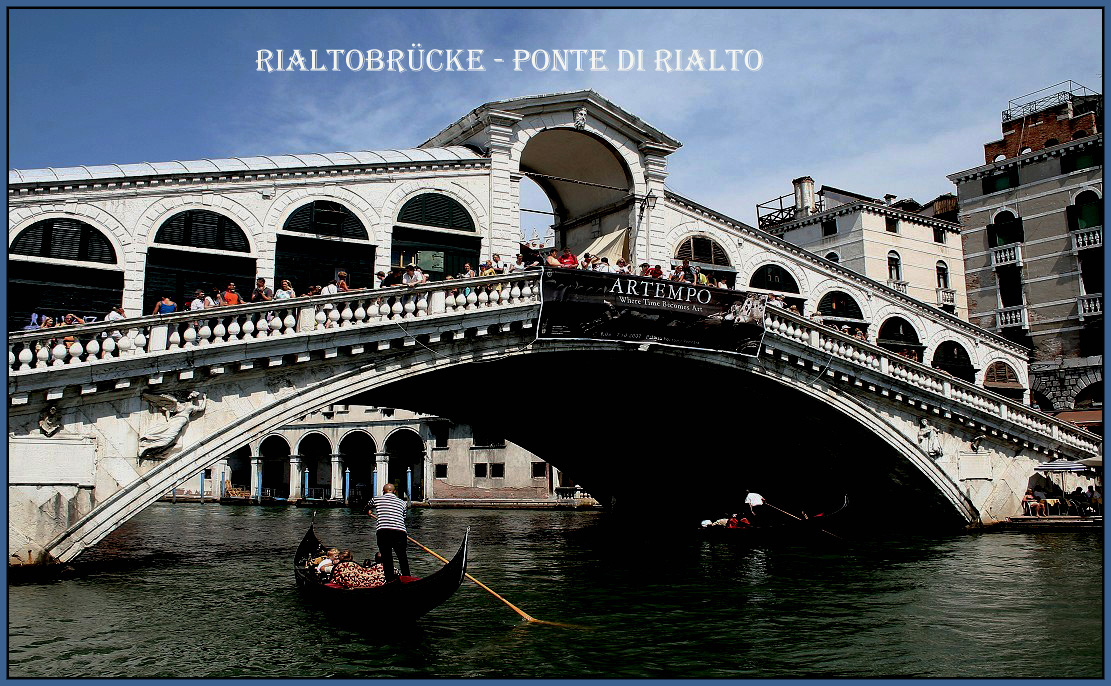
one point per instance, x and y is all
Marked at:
(804, 196)
(889, 198)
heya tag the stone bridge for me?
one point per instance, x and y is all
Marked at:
(105, 418)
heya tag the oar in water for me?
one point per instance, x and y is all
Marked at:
(526, 616)
(801, 520)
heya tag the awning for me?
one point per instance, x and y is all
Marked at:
(613, 246)
(1081, 417)
(1060, 466)
(1006, 385)
(1092, 462)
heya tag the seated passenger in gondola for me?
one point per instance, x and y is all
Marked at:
(350, 574)
(325, 564)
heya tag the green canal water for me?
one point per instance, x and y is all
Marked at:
(194, 590)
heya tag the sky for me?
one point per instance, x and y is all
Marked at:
(872, 101)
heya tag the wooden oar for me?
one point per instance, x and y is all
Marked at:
(526, 616)
(801, 520)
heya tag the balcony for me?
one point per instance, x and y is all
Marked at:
(1087, 238)
(1090, 306)
(900, 286)
(1011, 316)
(946, 296)
(1007, 255)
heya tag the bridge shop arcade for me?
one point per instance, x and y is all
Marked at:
(145, 228)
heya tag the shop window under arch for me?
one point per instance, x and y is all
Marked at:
(62, 238)
(436, 210)
(326, 218)
(202, 229)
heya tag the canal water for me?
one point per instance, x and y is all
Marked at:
(192, 590)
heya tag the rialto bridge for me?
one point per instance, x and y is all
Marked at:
(105, 417)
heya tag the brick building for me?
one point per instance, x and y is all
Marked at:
(1032, 228)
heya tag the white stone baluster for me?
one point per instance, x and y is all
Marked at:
(92, 348)
(360, 312)
(347, 314)
(190, 336)
(140, 342)
(59, 354)
(174, 339)
(397, 308)
(290, 323)
(204, 334)
(109, 348)
(422, 305)
(25, 357)
(248, 327)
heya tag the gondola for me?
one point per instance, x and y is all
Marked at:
(782, 530)
(409, 598)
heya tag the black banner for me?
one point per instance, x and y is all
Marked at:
(581, 304)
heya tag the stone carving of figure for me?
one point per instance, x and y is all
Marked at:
(50, 421)
(580, 118)
(928, 440)
(162, 436)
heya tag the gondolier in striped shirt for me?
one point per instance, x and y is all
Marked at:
(390, 530)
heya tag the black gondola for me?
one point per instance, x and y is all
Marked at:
(407, 599)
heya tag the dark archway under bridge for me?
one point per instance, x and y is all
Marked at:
(671, 440)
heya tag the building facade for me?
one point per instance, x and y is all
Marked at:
(1032, 228)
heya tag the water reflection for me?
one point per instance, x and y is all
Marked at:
(207, 591)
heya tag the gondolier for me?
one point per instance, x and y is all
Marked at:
(390, 530)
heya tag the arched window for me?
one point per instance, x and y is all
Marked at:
(772, 277)
(438, 210)
(951, 357)
(1086, 212)
(202, 229)
(839, 305)
(1002, 379)
(36, 289)
(64, 239)
(1005, 230)
(942, 275)
(894, 266)
(897, 335)
(702, 249)
(1079, 134)
(833, 257)
(1051, 142)
(326, 218)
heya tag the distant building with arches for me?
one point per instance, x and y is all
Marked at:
(1032, 227)
(346, 452)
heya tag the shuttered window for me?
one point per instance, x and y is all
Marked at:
(64, 239)
(839, 305)
(701, 249)
(326, 218)
(435, 209)
(202, 229)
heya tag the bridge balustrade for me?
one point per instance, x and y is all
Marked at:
(103, 342)
(835, 344)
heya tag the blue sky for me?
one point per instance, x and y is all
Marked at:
(875, 101)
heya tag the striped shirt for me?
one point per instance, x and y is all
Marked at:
(390, 511)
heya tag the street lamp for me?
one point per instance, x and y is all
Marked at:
(649, 201)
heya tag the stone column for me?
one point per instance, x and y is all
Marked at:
(382, 470)
(504, 233)
(295, 477)
(256, 476)
(337, 477)
(652, 231)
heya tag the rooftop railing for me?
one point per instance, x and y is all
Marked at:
(1050, 96)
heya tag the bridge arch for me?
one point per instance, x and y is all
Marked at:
(624, 148)
(207, 433)
(315, 451)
